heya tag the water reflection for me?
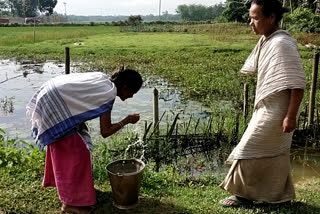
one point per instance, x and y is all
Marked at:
(18, 82)
(305, 165)
(6, 105)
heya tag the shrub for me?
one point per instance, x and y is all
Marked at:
(17, 153)
(304, 20)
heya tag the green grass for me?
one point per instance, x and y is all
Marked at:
(163, 192)
(166, 191)
(15, 36)
(204, 62)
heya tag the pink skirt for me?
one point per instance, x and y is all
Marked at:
(68, 167)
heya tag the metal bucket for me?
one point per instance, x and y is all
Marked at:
(125, 178)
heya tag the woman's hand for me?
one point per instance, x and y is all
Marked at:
(107, 128)
(288, 124)
(132, 118)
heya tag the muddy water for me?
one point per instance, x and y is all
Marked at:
(305, 164)
(18, 82)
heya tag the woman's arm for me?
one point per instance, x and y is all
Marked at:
(290, 120)
(107, 128)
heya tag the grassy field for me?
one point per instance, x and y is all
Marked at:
(161, 192)
(25, 195)
(203, 62)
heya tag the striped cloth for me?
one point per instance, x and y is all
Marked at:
(67, 101)
(278, 63)
(264, 136)
(277, 60)
(262, 180)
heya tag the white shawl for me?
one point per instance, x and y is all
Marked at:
(66, 101)
(277, 60)
(278, 63)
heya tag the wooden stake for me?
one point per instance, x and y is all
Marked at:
(313, 88)
(67, 60)
(156, 110)
(245, 100)
(156, 125)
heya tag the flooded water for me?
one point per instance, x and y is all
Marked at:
(305, 164)
(18, 82)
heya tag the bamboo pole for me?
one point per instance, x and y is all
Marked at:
(67, 60)
(156, 124)
(283, 5)
(156, 110)
(313, 88)
(34, 30)
(245, 100)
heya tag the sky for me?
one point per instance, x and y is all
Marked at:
(123, 7)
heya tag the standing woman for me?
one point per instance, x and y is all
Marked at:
(260, 169)
(58, 111)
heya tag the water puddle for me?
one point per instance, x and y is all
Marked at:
(18, 82)
(305, 165)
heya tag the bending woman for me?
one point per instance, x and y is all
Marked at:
(58, 111)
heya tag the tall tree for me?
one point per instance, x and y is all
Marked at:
(183, 11)
(16, 7)
(4, 7)
(317, 2)
(236, 11)
(135, 20)
(30, 8)
(47, 6)
(198, 12)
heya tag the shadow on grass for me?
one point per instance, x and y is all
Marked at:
(295, 207)
(146, 205)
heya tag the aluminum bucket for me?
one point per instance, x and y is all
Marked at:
(125, 179)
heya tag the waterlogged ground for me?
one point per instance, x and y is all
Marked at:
(19, 80)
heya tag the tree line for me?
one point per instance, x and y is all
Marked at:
(237, 10)
(303, 14)
(27, 8)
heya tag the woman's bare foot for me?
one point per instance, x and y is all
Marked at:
(76, 210)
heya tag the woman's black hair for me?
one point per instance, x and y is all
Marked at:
(127, 78)
(270, 7)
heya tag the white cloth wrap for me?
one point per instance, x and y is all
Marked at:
(66, 101)
(278, 63)
(277, 60)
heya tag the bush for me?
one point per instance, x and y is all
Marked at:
(17, 153)
(304, 20)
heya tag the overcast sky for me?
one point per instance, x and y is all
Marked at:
(123, 7)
